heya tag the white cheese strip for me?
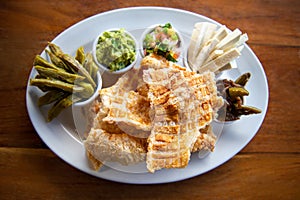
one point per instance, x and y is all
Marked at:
(240, 48)
(213, 49)
(239, 45)
(191, 50)
(229, 41)
(196, 40)
(220, 61)
(243, 38)
(218, 35)
(204, 53)
(221, 33)
(214, 54)
(209, 32)
(201, 33)
(229, 65)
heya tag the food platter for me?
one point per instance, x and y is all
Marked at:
(60, 134)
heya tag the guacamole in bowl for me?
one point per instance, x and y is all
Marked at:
(115, 50)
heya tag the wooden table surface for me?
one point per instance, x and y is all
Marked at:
(268, 167)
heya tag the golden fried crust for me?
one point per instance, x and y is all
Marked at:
(93, 162)
(178, 99)
(99, 123)
(128, 110)
(160, 102)
(123, 148)
(205, 141)
(143, 89)
(158, 62)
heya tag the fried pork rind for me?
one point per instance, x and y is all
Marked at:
(126, 108)
(94, 163)
(106, 142)
(129, 111)
(181, 102)
(159, 113)
(206, 140)
(114, 147)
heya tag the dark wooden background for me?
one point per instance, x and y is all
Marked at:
(267, 168)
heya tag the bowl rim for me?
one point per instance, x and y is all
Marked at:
(94, 96)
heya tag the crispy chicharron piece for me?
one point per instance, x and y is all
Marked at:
(175, 106)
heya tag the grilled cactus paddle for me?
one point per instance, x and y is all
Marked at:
(64, 79)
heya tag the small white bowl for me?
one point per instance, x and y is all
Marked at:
(150, 29)
(104, 68)
(94, 96)
(82, 117)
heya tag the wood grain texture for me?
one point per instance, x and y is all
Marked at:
(267, 168)
(44, 176)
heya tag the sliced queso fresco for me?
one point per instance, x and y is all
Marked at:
(212, 48)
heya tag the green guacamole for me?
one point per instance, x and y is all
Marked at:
(115, 49)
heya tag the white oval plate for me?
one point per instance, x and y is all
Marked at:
(60, 134)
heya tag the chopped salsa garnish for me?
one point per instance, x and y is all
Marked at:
(164, 41)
